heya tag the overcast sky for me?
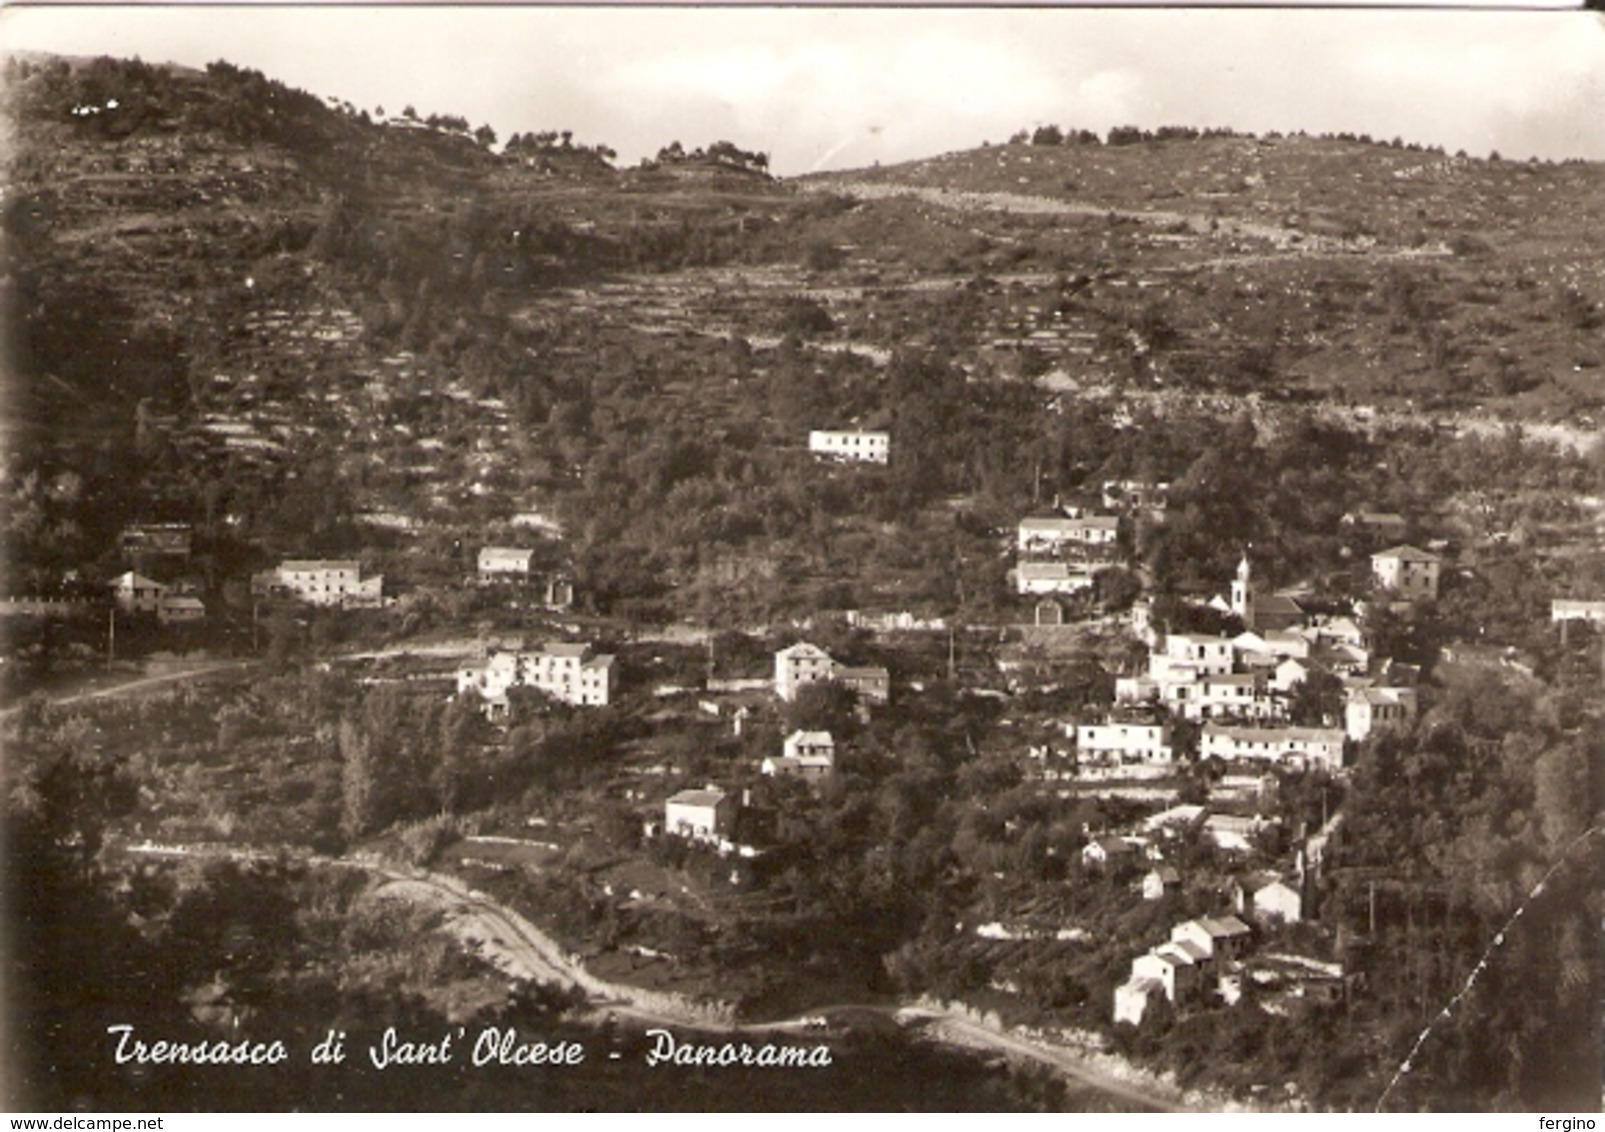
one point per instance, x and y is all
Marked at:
(835, 88)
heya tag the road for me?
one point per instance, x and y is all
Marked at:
(141, 683)
(520, 949)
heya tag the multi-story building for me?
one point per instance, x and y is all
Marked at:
(871, 447)
(320, 581)
(135, 593)
(1052, 578)
(807, 754)
(1310, 747)
(1123, 742)
(571, 673)
(1370, 709)
(800, 664)
(1054, 535)
(1408, 572)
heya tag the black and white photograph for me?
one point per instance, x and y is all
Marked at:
(779, 559)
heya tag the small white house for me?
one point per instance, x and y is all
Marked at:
(135, 593)
(505, 562)
(704, 815)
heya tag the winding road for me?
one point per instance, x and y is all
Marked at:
(520, 949)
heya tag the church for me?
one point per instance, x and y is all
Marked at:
(1259, 614)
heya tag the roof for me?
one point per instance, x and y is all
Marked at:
(1405, 553)
(811, 738)
(1180, 814)
(1224, 927)
(135, 581)
(865, 672)
(565, 648)
(183, 603)
(1277, 603)
(304, 564)
(709, 797)
(505, 552)
(600, 660)
(1175, 954)
(1166, 874)
(803, 649)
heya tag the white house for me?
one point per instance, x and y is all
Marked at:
(1563, 610)
(1268, 898)
(873, 447)
(1408, 572)
(1157, 882)
(1369, 709)
(1123, 742)
(704, 815)
(320, 581)
(1297, 746)
(1053, 534)
(806, 754)
(1132, 998)
(1051, 578)
(1222, 938)
(567, 672)
(1169, 966)
(505, 562)
(135, 593)
(800, 664)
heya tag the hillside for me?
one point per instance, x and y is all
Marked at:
(249, 325)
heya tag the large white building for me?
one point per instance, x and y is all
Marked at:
(1123, 742)
(571, 673)
(800, 664)
(1054, 534)
(321, 581)
(1051, 578)
(1408, 572)
(1306, 747)
(871, 447)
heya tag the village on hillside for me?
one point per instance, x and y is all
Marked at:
(472, 578)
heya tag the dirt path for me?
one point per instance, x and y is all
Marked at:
(142, 683)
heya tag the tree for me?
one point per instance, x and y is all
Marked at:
(359, 781)
(822, 706)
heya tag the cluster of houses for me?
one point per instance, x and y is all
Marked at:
(176, 604)
(1060, 553)
(1241, 688)
(706, 814)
